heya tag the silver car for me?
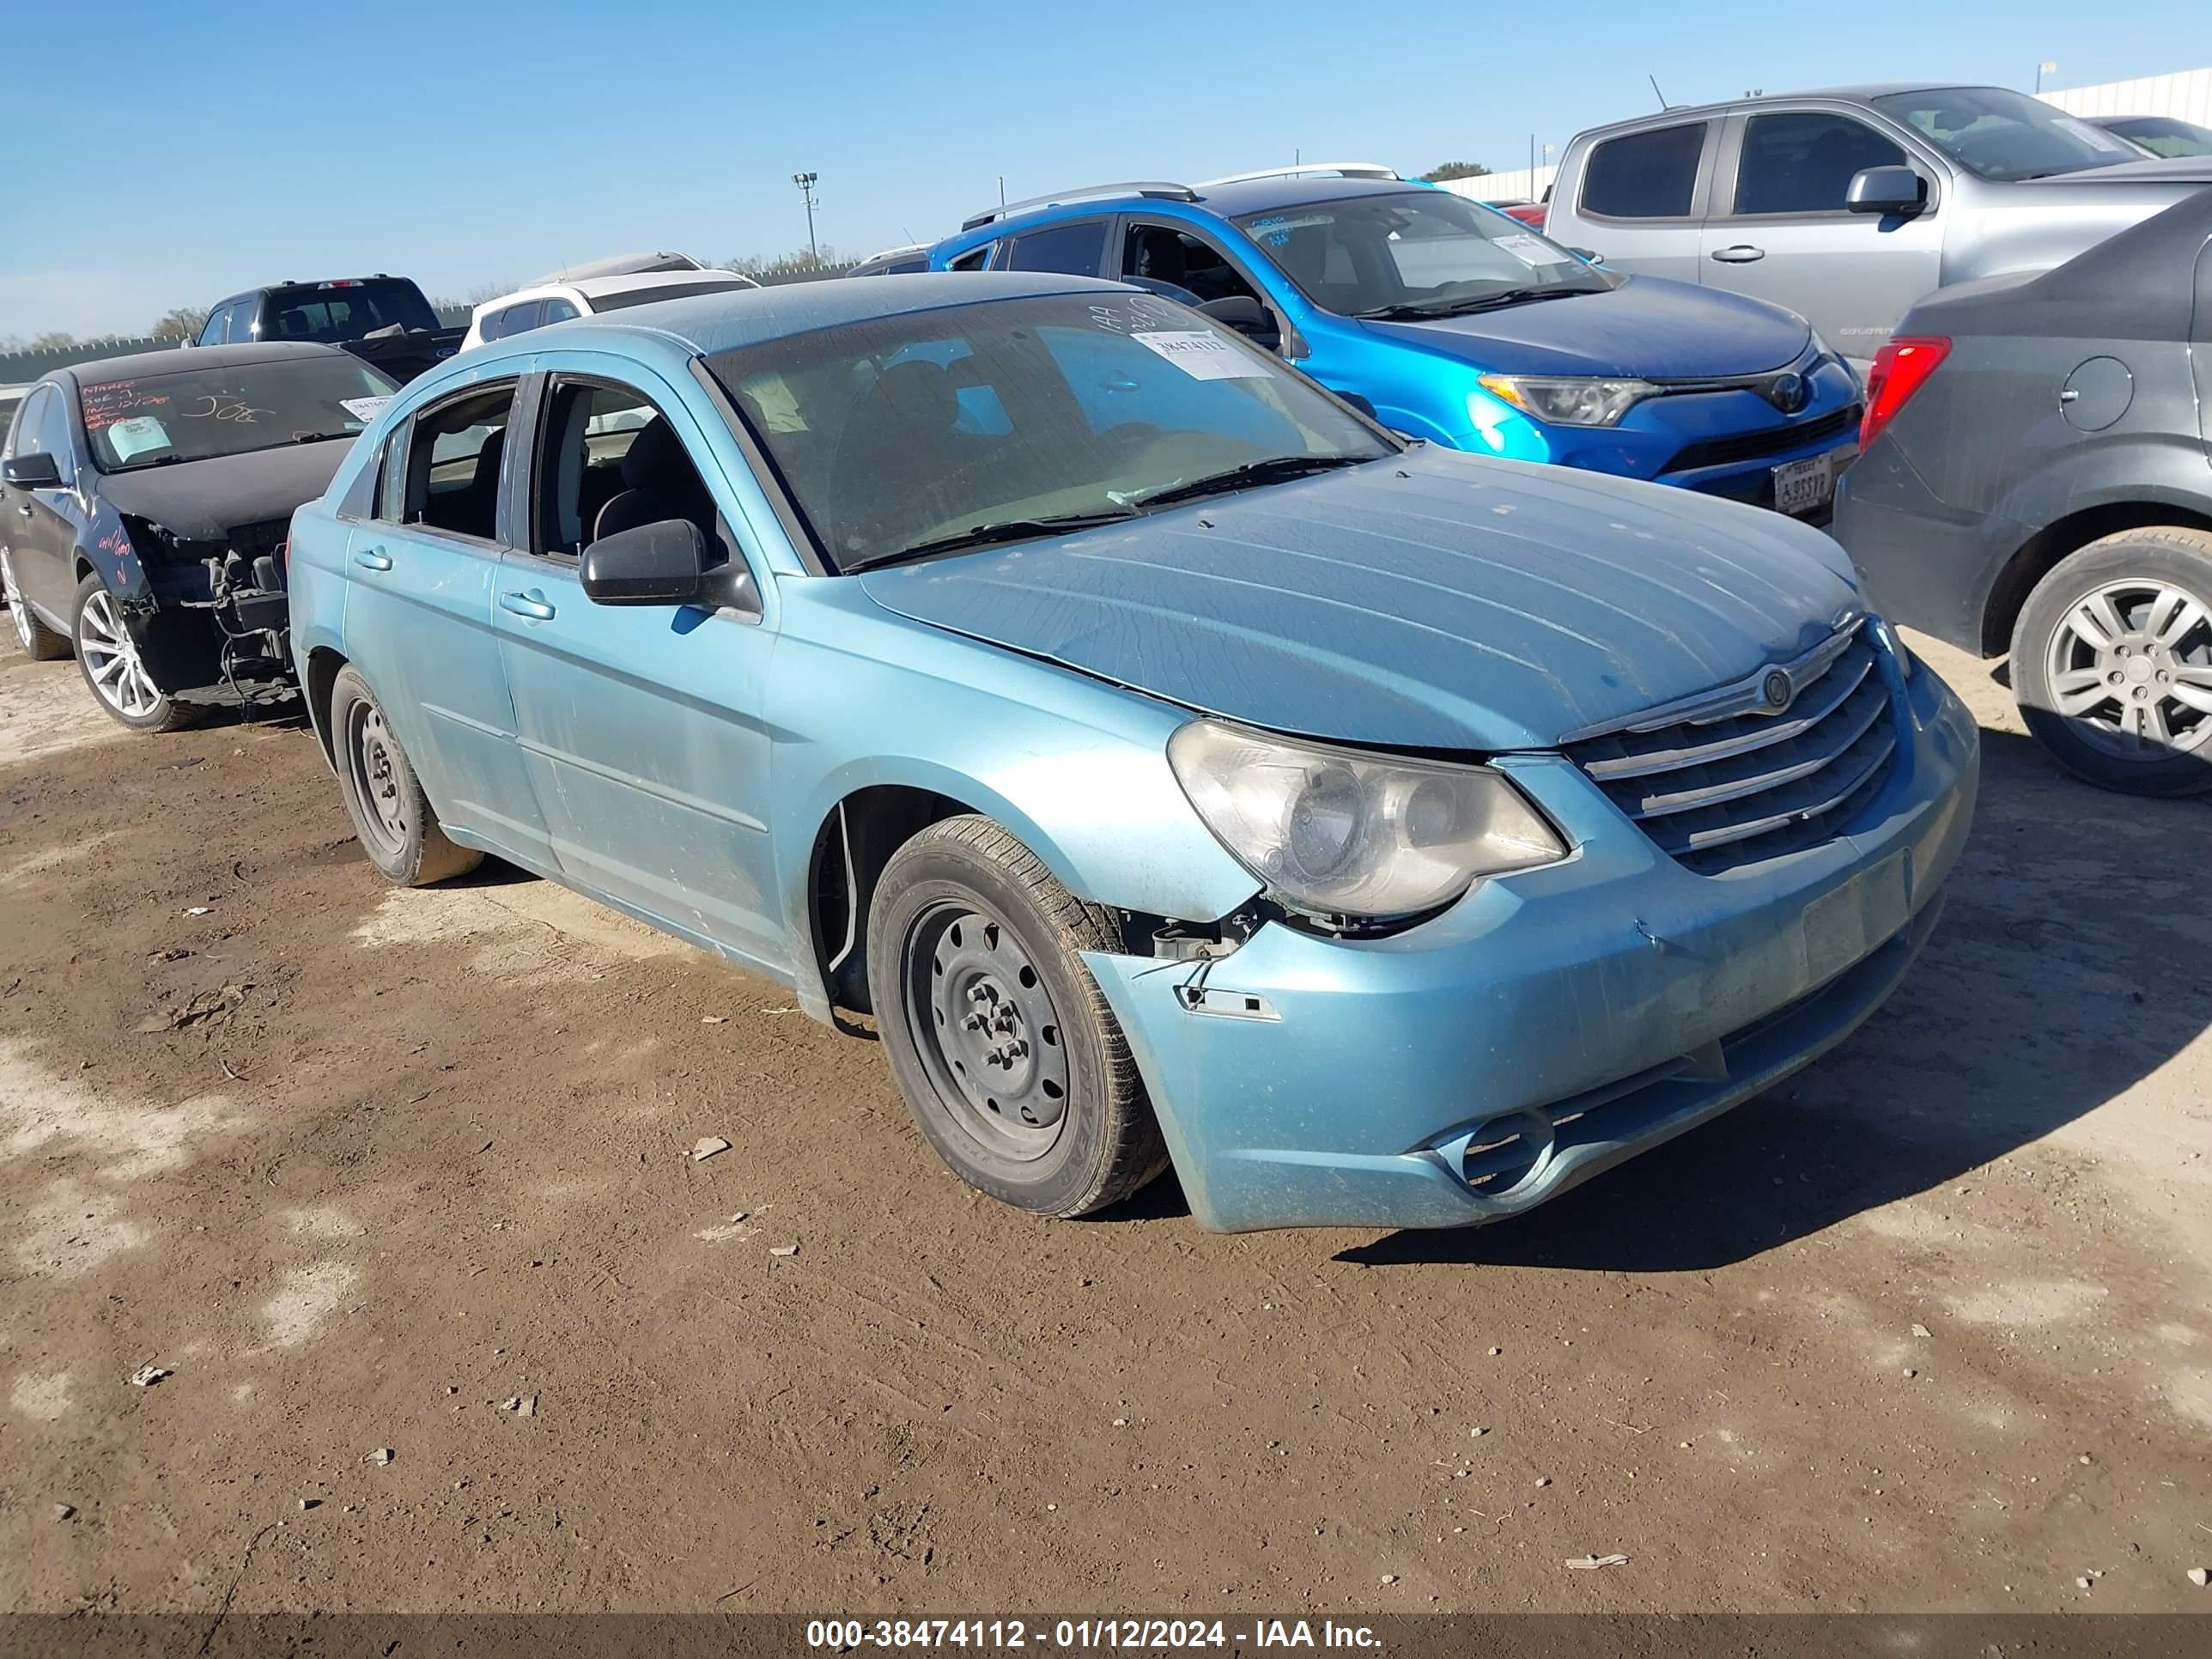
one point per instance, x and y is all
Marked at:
(1847, 205)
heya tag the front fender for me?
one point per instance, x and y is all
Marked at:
(1076, 768)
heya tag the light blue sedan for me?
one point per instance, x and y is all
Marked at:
(1178, 766)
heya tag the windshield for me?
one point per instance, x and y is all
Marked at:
(193, 414)
(2005, 136)
(927, 430)
(1424, 252)
(2162, 134)
(332, 312)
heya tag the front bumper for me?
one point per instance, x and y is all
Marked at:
(1548, 1026)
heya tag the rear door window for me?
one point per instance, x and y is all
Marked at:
(1076, 250)
(454, 453)
(513, 320)
(1645, 175)
(1804, 161)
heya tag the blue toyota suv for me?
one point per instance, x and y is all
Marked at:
(1448, 320)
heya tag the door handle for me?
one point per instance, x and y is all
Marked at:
(373, 558)
(531, 604)
(1741, 254)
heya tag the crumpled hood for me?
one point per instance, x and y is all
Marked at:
(203, 501)
(1438, 601)
(1649, 326)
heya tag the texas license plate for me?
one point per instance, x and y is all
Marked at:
(1805, 486)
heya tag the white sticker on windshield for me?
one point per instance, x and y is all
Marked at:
(139, 434)
(2096, 136)
(363, 409)
(1533, 251)
(1201, 355)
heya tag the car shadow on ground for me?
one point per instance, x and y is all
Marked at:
(2074, 958)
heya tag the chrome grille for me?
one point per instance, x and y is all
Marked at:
(1726, 790)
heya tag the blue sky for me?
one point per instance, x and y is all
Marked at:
(186, 152)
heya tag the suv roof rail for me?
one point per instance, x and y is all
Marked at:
(1158, 188)
(1341, 169)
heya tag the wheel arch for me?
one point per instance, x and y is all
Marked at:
(323, 662)
(2042, 552)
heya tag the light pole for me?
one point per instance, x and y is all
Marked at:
(2042, 69)
(806, 183)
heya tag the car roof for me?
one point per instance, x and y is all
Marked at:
(176, 360)
(707, 323)
(1863, 93)
(1228, 200)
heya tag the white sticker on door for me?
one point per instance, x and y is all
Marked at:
(1201, 355)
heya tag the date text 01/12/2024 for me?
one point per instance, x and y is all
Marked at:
(843, 1635)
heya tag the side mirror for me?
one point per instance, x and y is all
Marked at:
(1240, 312)
(1181, 296)
(1887, 189)
(665, 562)
(1587, 256)
(35, 472)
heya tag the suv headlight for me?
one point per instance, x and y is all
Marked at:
(1574, 401)
(1337, 832)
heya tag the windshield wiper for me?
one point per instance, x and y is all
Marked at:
(320, 437)
(1417, 309)
(1004, 529)
(1273, 470)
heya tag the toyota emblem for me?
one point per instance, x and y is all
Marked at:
(1776, 690)
(1787, 393)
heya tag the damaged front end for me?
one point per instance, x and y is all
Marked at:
(218, 629)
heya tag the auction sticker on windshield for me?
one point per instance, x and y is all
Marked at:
(1201, 355)
(1535, 250)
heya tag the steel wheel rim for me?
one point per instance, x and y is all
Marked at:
(2130, 665)
(17, 608)
(112, 661)
(988, 1031)
(374, 758)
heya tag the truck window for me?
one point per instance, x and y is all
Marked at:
(1071, 250)
(332, 313)
(1801, 161)
(1644, 175)
(216, 329)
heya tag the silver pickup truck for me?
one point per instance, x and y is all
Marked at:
(1849, 204)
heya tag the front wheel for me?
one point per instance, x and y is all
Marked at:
(1012, 1062)
(2112, 661)
(39, 642)
(115, 667)
(397, 827)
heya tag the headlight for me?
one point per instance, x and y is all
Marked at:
(1568, 402)
(1336, 832)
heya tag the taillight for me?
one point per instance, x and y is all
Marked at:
(1900, 368)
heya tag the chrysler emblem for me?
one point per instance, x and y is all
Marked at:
(1787, 393)
(1776, 690)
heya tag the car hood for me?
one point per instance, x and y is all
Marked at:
(1439, 601)
(2152, 170)
(1649, 326)
(203, 501)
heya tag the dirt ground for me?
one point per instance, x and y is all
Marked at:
(1929, 1328)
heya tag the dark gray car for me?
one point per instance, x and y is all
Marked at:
(2036, 478)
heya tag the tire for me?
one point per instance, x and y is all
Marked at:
(968, 925)
(2112, 661)
(394, 819)
(39, 642)
(115, 670)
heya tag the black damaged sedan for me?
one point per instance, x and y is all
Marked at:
(145, 510)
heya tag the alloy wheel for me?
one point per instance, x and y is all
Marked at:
(112, 661)
(2130, 666)
(988, 1031)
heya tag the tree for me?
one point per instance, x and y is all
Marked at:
(185, 323)
(1450, 170)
